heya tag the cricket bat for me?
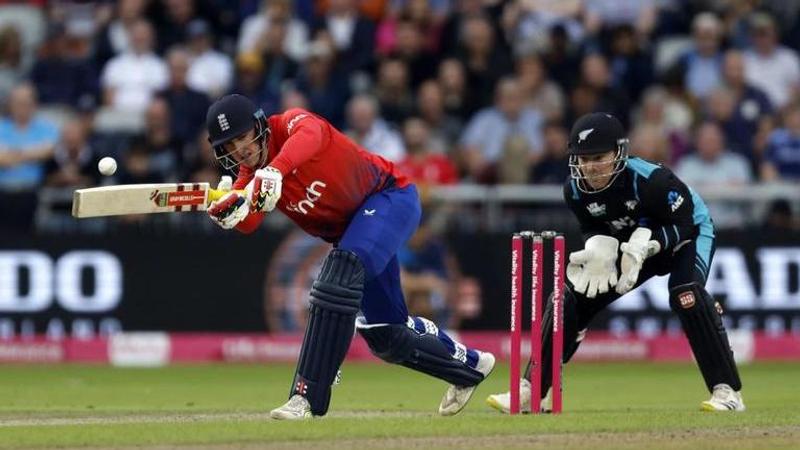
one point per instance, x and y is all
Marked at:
(143, 199)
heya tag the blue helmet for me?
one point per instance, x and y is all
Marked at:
(230, 117)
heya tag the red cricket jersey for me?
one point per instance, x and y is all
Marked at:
(326, 176)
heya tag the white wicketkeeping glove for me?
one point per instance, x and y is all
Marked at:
(231, 208)
(638, 248)
(593, 270)
(264, 190)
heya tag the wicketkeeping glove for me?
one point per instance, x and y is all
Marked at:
(638, 248)
(264, 190)
(593, 270)
(231, 208)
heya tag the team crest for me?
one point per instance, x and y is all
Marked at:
(596, 209)
(686, 300)
(631, 204)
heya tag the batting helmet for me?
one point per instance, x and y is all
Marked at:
(230, 117)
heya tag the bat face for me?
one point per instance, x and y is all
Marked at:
(141, 199)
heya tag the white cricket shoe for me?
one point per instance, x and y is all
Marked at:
(724, 398)
(297, 408)
(502, 402)
(457, 397)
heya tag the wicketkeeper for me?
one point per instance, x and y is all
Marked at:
(638, 220)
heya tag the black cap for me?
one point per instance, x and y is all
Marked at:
(229, 117)
(595, 133)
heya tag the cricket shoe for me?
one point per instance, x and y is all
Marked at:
(457, 397)
(724, 398)
(502, 402)
(297, 408)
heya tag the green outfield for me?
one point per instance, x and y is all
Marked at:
(628, 406)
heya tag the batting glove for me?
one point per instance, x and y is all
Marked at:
(230, 209)
(638, 248)
(264, 190)
(593, 270)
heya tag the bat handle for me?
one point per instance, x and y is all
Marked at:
(216, 194)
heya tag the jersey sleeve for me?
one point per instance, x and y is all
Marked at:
(253, 220)
(305, 139)
(670, 204)
(589, 225)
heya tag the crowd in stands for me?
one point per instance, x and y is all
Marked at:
(454, 91)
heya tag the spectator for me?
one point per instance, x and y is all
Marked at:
(352, 34)
(714, 165)
(420, 164)
(74, 163)
(560, 59)
(484, 59)
(203, 168)
(454, 24)
(325, 86)
(631, 65)
(210, 71)
(410, 48)
(540, 93)
(393, 91)
(249, 80)
(425, 17)
(26, 141)
(253, 34)
(130, 79)
(752, 111)
(13, 64)
(444, 128)
(115, 39)
(173, 28)
(782, 156)
(527, 23)
(497, 134)
(602, 15)
(721, 107)
(595, 74)
(187, 106)
(769, 66)
(371, 131)
(553, 168)
(136, 165)
(702, 63)
(62, 74)
(165, 151)
(649, 143)
(669, 116)
(458, 99)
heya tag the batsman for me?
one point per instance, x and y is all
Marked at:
(300, 164)
(638, 220)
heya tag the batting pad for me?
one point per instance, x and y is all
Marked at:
(335, 300)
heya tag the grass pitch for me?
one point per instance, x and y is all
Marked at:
(614, 406)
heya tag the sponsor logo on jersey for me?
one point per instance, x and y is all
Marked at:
(584, 134)
(294, 121)
(223, 122)
(622, 222)
(631, 204)
(313, 194)
(675, 200)
(595, 209)
(686, 299)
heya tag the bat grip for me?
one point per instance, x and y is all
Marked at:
(216, 194)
